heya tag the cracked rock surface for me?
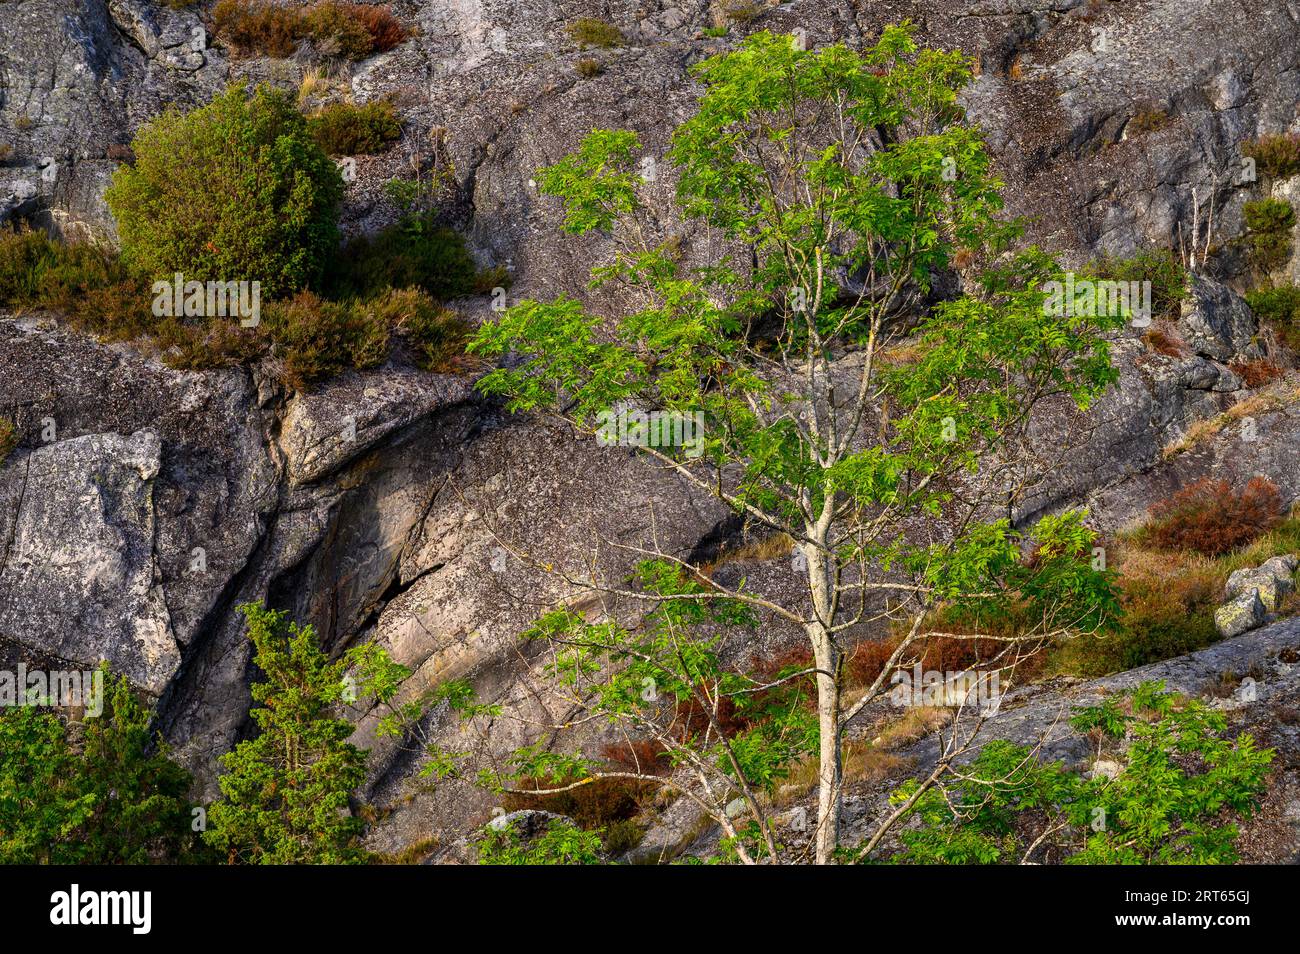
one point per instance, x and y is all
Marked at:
(143, 504)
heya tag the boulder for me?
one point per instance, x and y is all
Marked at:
(1216, 322)
(78, 576)
(1241, 614)
(1272, 580)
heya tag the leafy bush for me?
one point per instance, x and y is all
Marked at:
(311, 338)
(317, 339)
(1181, 781)
(342, 129)
(1209, 517)
(94, 288)
(1277, 303)
(590, 31)
(87, 283)
(99, 792)
(1277, 155)
(1160, 267)
(1280, 306)
(414, 253)
(1269, 223)
(24, 257)
(236, 190)
(561, 844)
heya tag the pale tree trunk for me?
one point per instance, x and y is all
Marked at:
(826, 657)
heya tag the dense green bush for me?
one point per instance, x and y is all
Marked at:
(414, 253)
(1158, 266)
(1175, 801)
(24, 258)
(1277, 155)
(342, 129)
(98, 792)
(1268, 224)
(309, 337)
(86, 283)
(286, 794)
(314, 339)
(234, 191)
(1279, 305)
(562, 843)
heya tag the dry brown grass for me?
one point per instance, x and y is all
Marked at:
(1270, 400)
(903, 353)
(862, 762)
(915, 724)
(412, 854)
(775, 546)
(1165, 342)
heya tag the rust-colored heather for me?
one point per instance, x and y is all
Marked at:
(955, 653)
(644, 756)
(252, 28)
(1162, 342)
(1209, 517)
(594, 804)
(1257, 373)
(385, 30)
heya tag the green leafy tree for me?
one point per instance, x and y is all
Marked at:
(100, 791)
(724, 734)
(287, 794)
(825, 192)
(1181, 781)
(41, 805)
(237, 190)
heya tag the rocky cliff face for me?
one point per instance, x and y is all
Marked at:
(144, 504)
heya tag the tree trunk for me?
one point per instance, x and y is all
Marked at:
(828, 727)
(826, 656)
